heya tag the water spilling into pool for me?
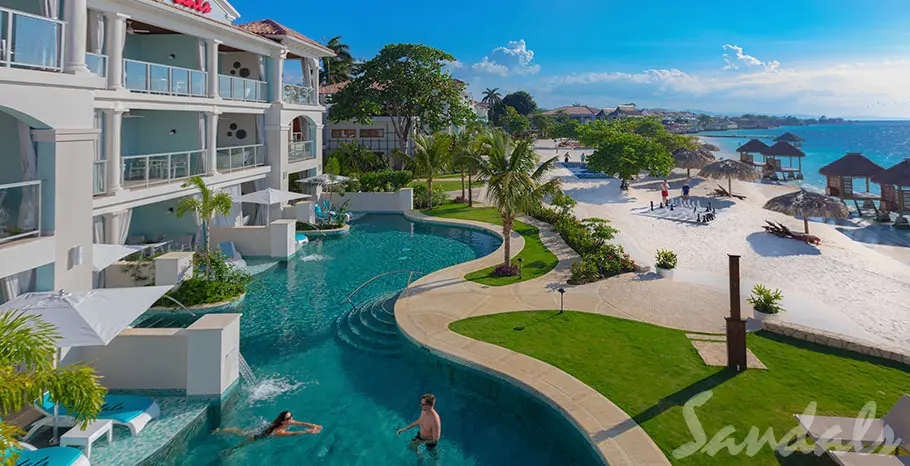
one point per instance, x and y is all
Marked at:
(320, 359)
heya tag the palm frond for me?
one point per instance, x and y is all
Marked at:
(27, 340)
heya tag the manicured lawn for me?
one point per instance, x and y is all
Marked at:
(537, 259)
(447, 185)
(650, 372)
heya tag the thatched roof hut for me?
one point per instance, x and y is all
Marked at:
(789, 137)
(840, 174)
(689, 159)
(895, 183)
(753, 146)
(729, 169)
(804, 204)
(898, 175)
(784, 149)
(710, 147)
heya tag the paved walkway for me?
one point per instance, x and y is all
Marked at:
(425, 311)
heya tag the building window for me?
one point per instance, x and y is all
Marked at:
(372, 133)
(344, 133)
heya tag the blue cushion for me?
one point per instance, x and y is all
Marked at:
(53, 456)
(119, 408)
(227, 248)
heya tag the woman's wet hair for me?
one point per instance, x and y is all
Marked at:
(277, 422)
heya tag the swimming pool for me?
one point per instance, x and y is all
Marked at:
(339, 369)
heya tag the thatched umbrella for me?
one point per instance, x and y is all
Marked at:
(729, 169)
(805, 204)
(753, 146)
(689, 159)
(789, 137)
(710, 147)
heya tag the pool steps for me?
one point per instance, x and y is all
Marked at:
(371, 326)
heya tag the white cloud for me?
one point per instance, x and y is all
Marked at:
(454, 64)
(739, 58)
(513, 59)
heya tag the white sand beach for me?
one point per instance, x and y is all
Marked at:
(857, 282)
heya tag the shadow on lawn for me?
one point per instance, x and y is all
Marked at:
(682, 396)
(531, 323)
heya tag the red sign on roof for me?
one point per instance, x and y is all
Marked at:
(199, 5)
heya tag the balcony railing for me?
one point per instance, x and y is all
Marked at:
(142, 76)
(234, 88)
(20, 210)
(99, 177)
(30, 41)
(301, 150)
(228, 159)
(147, 170)
(299, 95)
(96, 63)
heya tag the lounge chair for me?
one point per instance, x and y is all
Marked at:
(184, 242)
(848, 429)
(844, 458)
(53, 456)
(126, 410)
(320, 215)
(233, 255)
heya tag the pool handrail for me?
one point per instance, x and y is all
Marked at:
(411, 272)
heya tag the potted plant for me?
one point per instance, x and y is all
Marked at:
(666, 262)
(765, 302)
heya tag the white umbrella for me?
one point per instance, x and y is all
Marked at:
(104, 255)
(91, 318)
(325, 179)
(268, 197)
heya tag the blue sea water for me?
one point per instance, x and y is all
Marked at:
(884, 142)
(290, 337)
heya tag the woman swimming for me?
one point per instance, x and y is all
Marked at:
(278, 428)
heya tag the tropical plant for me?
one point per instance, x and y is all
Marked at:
(467, 152)
(205, 205)
(563, 203)
(409, 84)
(666, 259)
(432, 155)
(223, 282)
(355, 158)
(27, 353)
(340, 67)
(514, 122)
(515, 183)
(521, 101)
(385, 181)
(422, 199)
(625, 155)
(543, 124)
(491, 96)
(764, 300)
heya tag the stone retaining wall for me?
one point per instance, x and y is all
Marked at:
(835, 340)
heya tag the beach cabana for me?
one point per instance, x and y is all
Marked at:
(804, 204)
(790, 138)
(689, 159)
(782, 149)
(748, 150)
(895, 183)
(709, 147)
(840, 174)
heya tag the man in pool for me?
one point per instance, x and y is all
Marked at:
(430, 426)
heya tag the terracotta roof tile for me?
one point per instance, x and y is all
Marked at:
(269, 27)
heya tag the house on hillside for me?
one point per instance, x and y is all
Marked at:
(623, 111)
(579, 113)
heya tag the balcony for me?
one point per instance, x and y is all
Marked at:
(140, 171)
(299, 151)
(96, 63)
(140, 76)
(20, 210)
(30, 41)
(99, 177)
(229, 159)
(249, 90)
(299, 95)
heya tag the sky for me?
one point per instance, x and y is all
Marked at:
(848, 58)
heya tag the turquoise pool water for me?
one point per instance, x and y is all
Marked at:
(298, 335)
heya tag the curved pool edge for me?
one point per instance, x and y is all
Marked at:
(425, 310)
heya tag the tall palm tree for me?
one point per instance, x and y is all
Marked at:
(338, 68)
(432, 156)
(27, 353)
(206, 205)
(469, 147)
(491, 96)
(515, 183)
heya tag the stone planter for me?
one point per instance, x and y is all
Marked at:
(664, 273)
(763, 316)
(325, 233)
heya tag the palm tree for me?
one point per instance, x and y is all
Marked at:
(27, 353)
(431, 157)
(515, 183)
(206, 205)
(337, 68)
(491, 96)
(466, 152)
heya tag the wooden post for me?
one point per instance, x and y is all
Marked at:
(806, 224)
(736, 326)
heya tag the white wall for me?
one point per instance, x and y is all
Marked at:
(249, 240)
(117, 274)
(375, 202)
(147, 358)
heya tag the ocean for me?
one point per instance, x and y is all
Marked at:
(883, 142)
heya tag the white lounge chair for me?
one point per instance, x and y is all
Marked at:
(53, 456)
(844, 458)
(127, 410)
(233, 255)
(848, 429)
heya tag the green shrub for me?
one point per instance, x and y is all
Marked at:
(385, 181)
(666, 259)
(765, 300)
(546, 215)
(584, 271)
(420, 196)
(223, 282)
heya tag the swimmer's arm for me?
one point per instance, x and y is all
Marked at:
(411, 426)
(287, 434)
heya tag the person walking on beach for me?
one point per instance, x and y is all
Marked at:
(685, 190)
(430, 426)
(664, 191)
(582, 158)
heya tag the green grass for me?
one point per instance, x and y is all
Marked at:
(650, 372)
(447, 185)
(537, 260)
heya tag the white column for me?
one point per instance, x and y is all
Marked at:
(76, 15)
(113, 122)
(211, 143)
(114, 38)
(211, 67)
(278, 58)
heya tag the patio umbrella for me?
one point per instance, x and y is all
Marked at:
(805, 204)
(729, 169)
(326, 179)
(689, 159)
(710, 147)
(104, 255)
(91, 318)
(269, 197)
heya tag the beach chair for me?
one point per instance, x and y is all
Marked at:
(127, 410)
(848, 429)
(184, 242)
(53, 456)
(845, 458)
(233, 255)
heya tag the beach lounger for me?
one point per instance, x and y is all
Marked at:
(868, 459)
(53, 456)
(233, 255)
(127, 410)
(845, 429)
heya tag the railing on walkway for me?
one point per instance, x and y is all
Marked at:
(154, 78)
(20, 210)
(301, 150)
(96, 63)
(99, 177)
(146, 170)
(235, 88)
(31, 41)
(228, 159)
(294, 94)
